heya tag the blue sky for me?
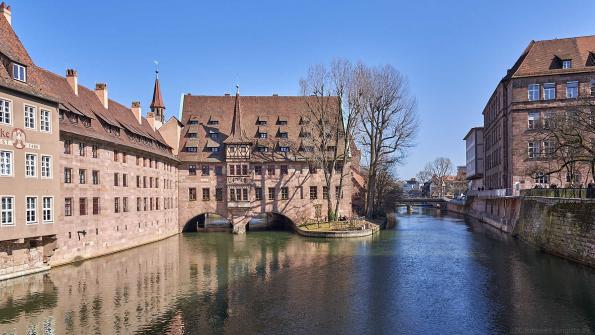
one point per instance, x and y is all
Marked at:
(453, 52)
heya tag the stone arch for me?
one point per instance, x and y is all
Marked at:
(270, 221)
(207, 221)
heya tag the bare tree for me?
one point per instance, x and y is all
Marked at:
(440, 168)
(388, 120)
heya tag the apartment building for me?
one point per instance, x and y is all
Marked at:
(474, 151)
(550, 78)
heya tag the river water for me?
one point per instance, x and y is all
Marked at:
(432, 274)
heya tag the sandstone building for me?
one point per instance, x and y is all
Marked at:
(550, 80)
(82, 175)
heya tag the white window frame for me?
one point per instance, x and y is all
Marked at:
(575, 89)
(531, 94)
(28, 168)
(533, 120)
(533, 149)
(17, 70)
(30, 118)
(5, 112)
(11, 164)
(546, 89)
(45, 125)
(567, 64)
(11, 210)
(50, 209)
(49, 174)
(33, 210)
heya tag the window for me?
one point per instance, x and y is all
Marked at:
(94, 150)
(283, 134)
(548, 148)
(218, 170)
(284, 193)
(192, 135)
(192, 169)
(282, 122)
(5, 112)
(213, 134)
(244, 170)
(548, 120)
(82, 176)
(261, 122)
(204, 170)
(95, 177)
(30, 165)
(145, 204)
(7, 211)
(83, 206)
(30, 116)
(67, 175)
(338, 193)
(541, 178)
(591, 85)
(67, 147)
(124, 180)
(125, 204)
(5, 163)
(567, 64)
(549, 91)
(283, 149)
(45, 121)
(193, 122)
(213, 122)
(31, 210)
(258, 193)
(48, 209)
(533, 149)
(192, 194)
(19, 72)
(534, 92)
(219, 194)
(144, 181)
(271, 193)
(271, 170)
(82, 148)
(573, 177)
(324, 192)
(257, 169)
(116, 154)
(116, 205)
(68, 207)
(312, 169)
(572, 89)
(191, 149)
(96, 205)
(261, 148)
(46, 166)
(300, 190)
(206, 194)
(313, 192)
(284, 170)
(232, 194)
(138, 181)
(138, 204)
(214, 149)
(262, 135)
(533, 120)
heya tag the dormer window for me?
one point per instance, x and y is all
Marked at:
(284, 149)
(567, 64)
(213, 122)
(213, 134)
(193, 122)
(261, 148)
(19, 72)
(283, 135)
(262, 135)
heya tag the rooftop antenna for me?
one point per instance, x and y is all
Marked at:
(156, 68)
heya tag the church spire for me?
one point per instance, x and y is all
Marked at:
(157, 105)
(237, 134)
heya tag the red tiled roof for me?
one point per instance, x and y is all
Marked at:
(544, 57)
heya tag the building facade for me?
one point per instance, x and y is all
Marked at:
(549, 81)
(474, 151)
(244, 157)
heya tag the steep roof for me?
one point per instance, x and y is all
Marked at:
(157, 101)
(545, 57)
(237, 134)
(216, 114)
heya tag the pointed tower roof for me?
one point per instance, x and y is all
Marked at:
(157, 101)
(237, 133)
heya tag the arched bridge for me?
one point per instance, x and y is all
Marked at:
(434, 202)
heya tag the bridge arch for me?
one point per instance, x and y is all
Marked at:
(270, 221)
(207, 221)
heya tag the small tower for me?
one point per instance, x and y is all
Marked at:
(157, 106)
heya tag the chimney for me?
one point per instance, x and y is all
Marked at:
(5, 10)
(73, 80)
(226, 94)
(275, 94)
(101, 93)
(151, 119)
(136, 110)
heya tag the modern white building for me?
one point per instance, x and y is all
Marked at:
(474, 158)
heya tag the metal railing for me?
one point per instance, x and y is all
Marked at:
(574, 193)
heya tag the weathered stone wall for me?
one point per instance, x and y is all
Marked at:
(22, 258)
(565, 228)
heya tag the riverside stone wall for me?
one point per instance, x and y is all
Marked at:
(18, 258)
(562, 227)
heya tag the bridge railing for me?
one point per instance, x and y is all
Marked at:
(574, 193)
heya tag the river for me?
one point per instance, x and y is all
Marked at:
(432, 274)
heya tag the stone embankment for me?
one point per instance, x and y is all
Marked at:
(563, 227)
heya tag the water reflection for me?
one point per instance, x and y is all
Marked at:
(432, 274)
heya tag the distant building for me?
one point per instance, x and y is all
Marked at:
(474, 158)
(411, 186)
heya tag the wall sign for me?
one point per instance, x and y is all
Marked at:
(17, 138)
